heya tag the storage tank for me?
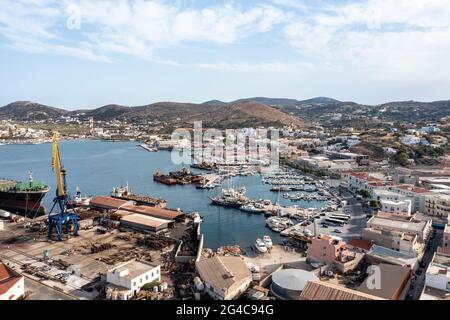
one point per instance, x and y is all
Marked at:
(287, 284)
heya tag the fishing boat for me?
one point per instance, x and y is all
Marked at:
(78, 200)
(260, 246)
(267, 241)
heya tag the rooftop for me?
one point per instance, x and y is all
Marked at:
(145, 220)
(393, 280)
(360, 243)
(133, 268)
(7, 278)
(414, 226)
(154, 212)
(102, 201)
(222, 272)
(321, 290)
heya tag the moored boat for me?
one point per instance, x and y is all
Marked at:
(260, 246)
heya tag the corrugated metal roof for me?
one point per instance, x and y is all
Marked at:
(320, 290)
(145, 220)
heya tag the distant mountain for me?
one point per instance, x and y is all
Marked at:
(215, 103)
(27, 110)
(278, 101)
(235, 115)
(243, 114)
(319, 100)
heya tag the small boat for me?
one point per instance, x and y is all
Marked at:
(260, 246)
(250, 208)
(267, 241)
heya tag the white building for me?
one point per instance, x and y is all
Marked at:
(12, 285)
(401, 208)
(438, 272)
(446, 237)
(127, 279)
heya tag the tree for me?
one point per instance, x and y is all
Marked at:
(373, 204)
(365, 193)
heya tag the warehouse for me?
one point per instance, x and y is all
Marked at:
(145, 223)
(108, 203)
(155, 212)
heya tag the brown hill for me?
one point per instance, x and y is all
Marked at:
(243, 114)
(26, 110)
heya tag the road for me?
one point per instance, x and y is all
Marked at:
(418, 285)
(354, 227)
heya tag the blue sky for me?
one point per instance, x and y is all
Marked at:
(78, 53)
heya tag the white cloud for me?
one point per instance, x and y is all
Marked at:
(401, 40)
(136, 28)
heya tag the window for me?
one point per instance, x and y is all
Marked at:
(152, 274)
(141, 280)
(157, 271)
(146, 277)
(134, 284)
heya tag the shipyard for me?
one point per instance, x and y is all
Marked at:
(231, 157)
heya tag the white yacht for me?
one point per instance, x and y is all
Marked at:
(267, 241)
(260, 246)
(250, 208)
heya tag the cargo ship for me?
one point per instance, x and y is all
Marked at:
(162, 178)
(22, 197)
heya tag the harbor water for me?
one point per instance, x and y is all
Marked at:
(96, 167)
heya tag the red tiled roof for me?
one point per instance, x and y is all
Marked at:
(7, 278)
(363, 244)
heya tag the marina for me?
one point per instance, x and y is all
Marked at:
(96, 167)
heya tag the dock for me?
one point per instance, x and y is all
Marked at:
(210, 181)
(146, 147)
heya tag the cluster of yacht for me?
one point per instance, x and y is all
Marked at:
(305, 197)
(279, 224)
(263, 245)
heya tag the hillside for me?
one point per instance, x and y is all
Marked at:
(278, 101)
(26, 110)
(105, 113)
(244, 114)
(237, 115)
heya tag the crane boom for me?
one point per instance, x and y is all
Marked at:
(56, 166)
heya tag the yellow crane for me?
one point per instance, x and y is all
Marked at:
(62, 218)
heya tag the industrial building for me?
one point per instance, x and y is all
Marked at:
(127, 279)
(145, 223)
(225, 277)
(288, 284)
(155, 212)
(108, 203)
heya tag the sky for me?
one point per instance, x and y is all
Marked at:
(85, 54)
